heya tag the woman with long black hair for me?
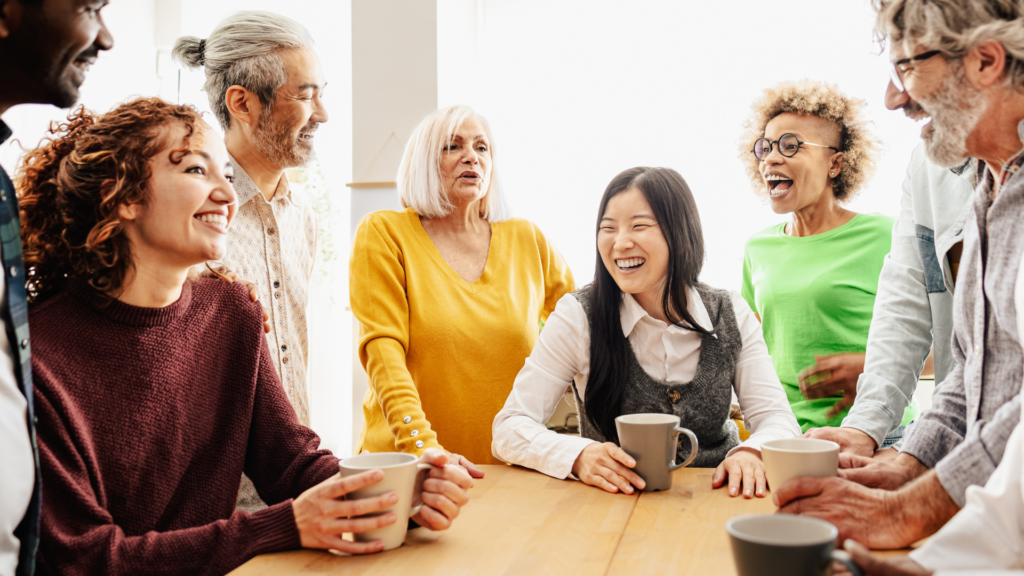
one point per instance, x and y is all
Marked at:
(647, 336)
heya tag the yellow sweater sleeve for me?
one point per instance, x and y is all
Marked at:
(377, 290)
(558, 280)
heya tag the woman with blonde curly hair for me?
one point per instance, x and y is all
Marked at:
(812, 280)
(155, 392)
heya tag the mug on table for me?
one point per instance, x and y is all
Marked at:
(651, 440)
(401, 476)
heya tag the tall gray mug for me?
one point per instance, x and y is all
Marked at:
(651, 440)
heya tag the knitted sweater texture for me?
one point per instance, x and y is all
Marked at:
(147, 419)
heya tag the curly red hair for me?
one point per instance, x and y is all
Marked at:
(70, 188)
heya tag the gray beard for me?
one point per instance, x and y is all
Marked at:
(276, 145)
(955, 109)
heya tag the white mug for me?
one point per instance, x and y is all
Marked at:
(794, 457)
(400, 476)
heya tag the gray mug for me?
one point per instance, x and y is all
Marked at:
(785, 545)
(651, 440)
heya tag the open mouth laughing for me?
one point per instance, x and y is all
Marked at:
(778, 183)
(629, 264)
(216, 220)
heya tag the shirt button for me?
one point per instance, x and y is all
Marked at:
(285, 359)
(277, 294)
(284, 347)
(419, 443)
(277, 284)
(270, 230)
(24, 344)
(14, 271)
(977, 349)
(415, 433)
(407, 419)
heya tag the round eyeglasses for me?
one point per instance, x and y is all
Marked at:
(788, 144)
(901, 67)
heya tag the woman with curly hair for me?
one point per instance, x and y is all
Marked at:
(154, 392)
(812, 280)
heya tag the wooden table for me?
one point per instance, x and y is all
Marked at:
(522, 522)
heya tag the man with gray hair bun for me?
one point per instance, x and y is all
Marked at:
(265, 83)
(963, 62)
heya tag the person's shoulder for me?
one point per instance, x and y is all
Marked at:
(521, 229)
(392, 224)
(765, 235)
(879, 222)
(229, 300)
(57, 306)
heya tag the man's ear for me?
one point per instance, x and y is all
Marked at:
(10, 16)
(985, 64)
(243, 105)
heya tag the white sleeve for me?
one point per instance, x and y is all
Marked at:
(766, 411)
(986, 533)
(520, 432)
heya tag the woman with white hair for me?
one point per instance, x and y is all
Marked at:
(450, 295)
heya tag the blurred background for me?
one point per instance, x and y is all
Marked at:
(575, 92)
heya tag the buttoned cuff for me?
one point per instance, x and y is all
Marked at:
(871, 418)
(968, 466)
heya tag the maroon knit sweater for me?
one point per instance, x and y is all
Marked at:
(147, 418)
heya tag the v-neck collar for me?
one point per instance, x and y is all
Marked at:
(480, 283)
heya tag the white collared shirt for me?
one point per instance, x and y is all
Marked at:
(667, 353)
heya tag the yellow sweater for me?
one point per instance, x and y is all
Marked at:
(441, 353)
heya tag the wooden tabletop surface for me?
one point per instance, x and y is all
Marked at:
(522, 522)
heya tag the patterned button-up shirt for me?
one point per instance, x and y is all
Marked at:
(15, 316)
(273, 245)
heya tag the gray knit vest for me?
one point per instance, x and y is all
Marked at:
(703, 404)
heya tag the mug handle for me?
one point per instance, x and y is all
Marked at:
(419, 468)
(843, 558)
(693, 447)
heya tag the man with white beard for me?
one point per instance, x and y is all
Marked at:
(963, 62)
(265, 84)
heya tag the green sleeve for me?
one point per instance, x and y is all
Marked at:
(747, 291)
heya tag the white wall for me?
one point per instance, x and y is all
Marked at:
(579, 90)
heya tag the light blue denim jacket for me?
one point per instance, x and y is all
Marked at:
(914, 305)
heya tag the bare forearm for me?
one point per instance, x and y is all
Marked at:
(923, 507)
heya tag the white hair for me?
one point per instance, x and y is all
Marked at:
(957, 26)
(243, 50)
(420, 179)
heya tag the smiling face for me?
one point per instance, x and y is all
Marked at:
(632, 246)
(938, 89)
(190, 203)
(285, 136)
(804, 179)
(466, 163)
(53, 47)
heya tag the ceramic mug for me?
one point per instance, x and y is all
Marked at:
(651, 440)
(785, 545)
(400, 476)
(794, 457)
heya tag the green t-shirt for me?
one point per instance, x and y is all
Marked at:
(815, 295)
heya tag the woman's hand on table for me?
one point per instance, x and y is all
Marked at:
(830, 375)
(465, 463)
(744, 467)
(608, 467)
(871, 566)
(444, 491)
(322, 517)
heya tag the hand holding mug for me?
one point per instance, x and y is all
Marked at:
(444, 491)
(608, 467)
(322, 517)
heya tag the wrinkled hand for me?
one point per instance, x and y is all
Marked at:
(444, 491)
(608, 467)
(850, 440)
(208, 272)
(465, 463)
(830, 375)
(322, 517)
(744, 465)
(871, 566)
(864, 514)
(874, 473)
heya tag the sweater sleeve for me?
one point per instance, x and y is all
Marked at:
(282, 458)
(377, 290)
(79, 535)
(558, 280)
